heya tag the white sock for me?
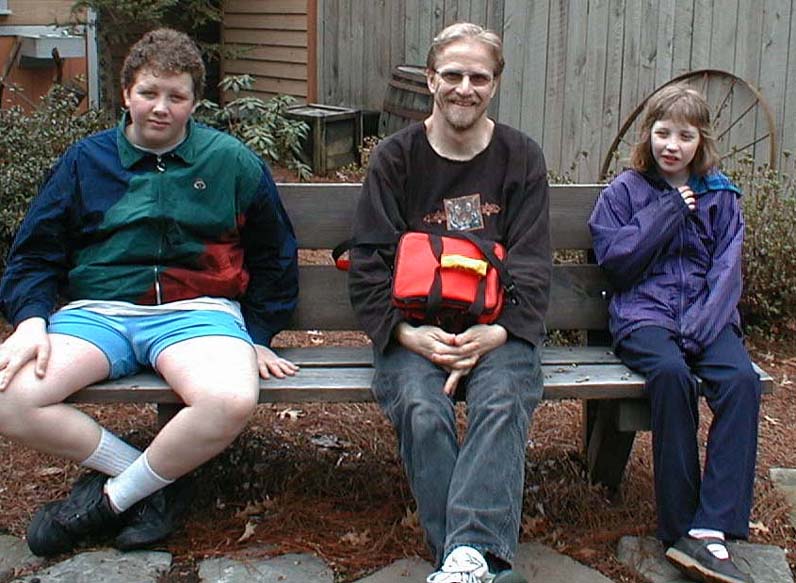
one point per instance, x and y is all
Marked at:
(112, 455)
(717, 550)
(135, 483)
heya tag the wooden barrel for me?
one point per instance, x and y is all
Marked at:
(407, 100)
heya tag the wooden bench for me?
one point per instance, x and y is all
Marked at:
(614, 406)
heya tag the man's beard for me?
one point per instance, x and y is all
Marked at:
(460, 118)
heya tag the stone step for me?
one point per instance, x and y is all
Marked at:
(766, 563)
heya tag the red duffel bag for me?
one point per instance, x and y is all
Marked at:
(453, 280)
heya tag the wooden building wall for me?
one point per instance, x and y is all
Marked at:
(34, 82)
(274, 45)
(575, 69)
(37, 12)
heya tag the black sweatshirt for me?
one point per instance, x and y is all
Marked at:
(500, 195)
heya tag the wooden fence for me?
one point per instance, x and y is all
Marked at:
(575, 68)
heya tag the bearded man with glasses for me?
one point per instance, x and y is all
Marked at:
(459, 170)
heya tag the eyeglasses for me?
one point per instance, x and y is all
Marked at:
(453, 77)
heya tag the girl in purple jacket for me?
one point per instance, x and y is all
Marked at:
(669, 233)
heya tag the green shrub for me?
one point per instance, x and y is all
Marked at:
(30, 144)
(768, 304)
(261, 125)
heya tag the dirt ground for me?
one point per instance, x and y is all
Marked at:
(326, 479)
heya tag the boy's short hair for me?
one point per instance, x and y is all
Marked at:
(165, 50)
(466, 31)
(681, 103)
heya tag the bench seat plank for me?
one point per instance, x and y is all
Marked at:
(352, 384)
(344, 356)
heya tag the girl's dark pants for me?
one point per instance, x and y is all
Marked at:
(721, 497)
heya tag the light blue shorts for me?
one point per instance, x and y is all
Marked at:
(132, 342)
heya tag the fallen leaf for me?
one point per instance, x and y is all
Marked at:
(411, 521)
(248, 531)
(357, 539)
(255, 508)
(328, 441)
(771, 420)
(51, 471)
(292, 414)
(758, 527)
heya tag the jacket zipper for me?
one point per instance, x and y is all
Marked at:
(682, 281)
(161, 168)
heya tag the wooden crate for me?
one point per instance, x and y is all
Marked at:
(334, 138)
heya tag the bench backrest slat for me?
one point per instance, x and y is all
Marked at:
(321, 215)
(576, 301)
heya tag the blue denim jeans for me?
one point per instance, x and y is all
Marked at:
(469, 494)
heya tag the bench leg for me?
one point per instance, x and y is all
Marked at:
(166, 411)
(607, 448)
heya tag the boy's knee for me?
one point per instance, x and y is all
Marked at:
(228, 413)
(15, 413)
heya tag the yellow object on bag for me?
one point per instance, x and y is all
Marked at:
(477, 266)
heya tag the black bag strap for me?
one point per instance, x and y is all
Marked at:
(506, 281)
(343, 263)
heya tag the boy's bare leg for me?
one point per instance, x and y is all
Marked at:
(32, 410)
(217, 378)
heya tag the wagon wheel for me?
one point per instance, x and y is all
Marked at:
(742, 122)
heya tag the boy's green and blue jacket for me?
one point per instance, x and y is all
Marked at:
(113, 222)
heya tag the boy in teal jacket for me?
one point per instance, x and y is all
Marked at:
(171, 247)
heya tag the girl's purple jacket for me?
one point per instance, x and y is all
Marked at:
(669, 266)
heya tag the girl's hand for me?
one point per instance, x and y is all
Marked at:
(689, 198)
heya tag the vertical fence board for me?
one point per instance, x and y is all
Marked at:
(788, 141)
(534, 64)
(683, 30)
(572, 131)
(700, 34)
(555, 85)
(612, 113)
(664, 51)
(513, 83)
(773, 64)
(594, 90)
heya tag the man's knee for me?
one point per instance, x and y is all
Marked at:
(426, 418)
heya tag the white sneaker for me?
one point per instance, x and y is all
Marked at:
(463, 565)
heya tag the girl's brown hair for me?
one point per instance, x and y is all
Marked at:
(165, 50)
(681, 103)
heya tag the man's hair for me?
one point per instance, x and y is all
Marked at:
(678, 103)
(165, 50)
(466, 31)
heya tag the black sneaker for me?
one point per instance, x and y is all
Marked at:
(59, 526)
(691, 556)
(155, 517)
